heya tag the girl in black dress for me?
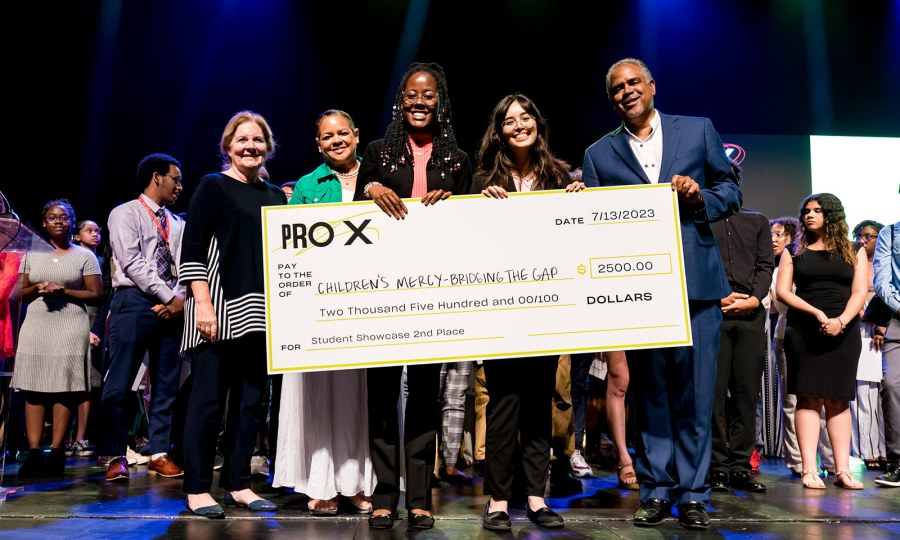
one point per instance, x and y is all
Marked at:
(822, 341)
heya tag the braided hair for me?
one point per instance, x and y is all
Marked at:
(396, 150)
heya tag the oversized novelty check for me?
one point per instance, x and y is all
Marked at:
(473, 278)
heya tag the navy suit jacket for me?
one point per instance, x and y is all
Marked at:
(691, 147)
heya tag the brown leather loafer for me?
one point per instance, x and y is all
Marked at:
(117, 469)
(165, 467)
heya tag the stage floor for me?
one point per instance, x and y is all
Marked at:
(83, 505)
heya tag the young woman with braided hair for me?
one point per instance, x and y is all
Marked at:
(419, 158)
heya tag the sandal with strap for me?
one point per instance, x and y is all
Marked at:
(847, 482)
(360, 504)
(627, 480)
(322, 507)
(816, 483)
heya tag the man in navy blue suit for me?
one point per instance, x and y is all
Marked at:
(673, 388)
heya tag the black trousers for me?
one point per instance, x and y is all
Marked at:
(741, 360)
(422, 418)
(235, 370)
(519, 424)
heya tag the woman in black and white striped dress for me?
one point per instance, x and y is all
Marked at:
(52, 357)
(225, 323)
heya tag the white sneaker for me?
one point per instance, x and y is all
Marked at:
(259, 466)
(134, 458)
(580, 468)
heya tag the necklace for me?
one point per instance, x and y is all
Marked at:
(349, 177)
(523, 183)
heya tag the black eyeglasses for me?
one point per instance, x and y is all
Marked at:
(867, 237)
(176, 178)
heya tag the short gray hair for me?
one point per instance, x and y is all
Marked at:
(634, 61)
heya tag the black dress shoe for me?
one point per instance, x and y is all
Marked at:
(652, 512)
(692, 515)
(381, 521)
(744, 481)
(495, 521)
(718, 481)
(544, 517)
(420, 521)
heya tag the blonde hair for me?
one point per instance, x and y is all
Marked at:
(231, 128)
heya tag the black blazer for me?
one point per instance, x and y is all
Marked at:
(401, 180)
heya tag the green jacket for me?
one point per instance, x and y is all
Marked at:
(319, 186)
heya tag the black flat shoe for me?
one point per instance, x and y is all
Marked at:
(652, 512)
(544, 517)
(495, 521)
(692, 515)
(718, 481)
(744, 481)
(381, 521)
(210, 512)
(420, 521)
(259, 505)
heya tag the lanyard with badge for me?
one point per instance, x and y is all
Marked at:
(164, 232)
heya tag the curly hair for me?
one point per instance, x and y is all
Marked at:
(396, 150)
(790, 224)
(834, 230)
(494, 160)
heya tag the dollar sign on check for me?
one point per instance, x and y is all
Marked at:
(581, 269)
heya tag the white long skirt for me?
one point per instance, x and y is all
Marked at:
(323, 442)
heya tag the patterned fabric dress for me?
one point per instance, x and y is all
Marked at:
(54, 340)
(770, 420)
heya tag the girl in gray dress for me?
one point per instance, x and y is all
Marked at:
(52, 357)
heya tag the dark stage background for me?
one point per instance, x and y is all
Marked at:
(93, 86)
